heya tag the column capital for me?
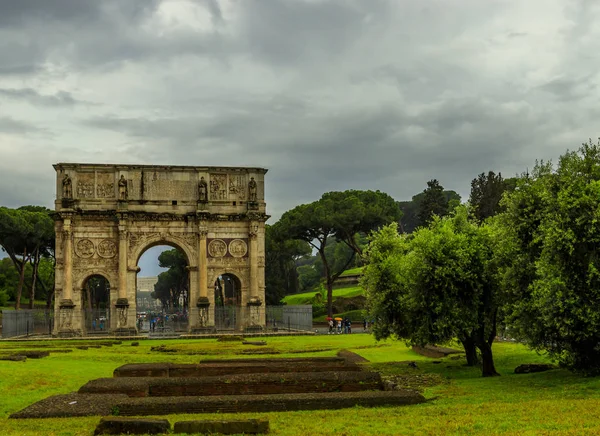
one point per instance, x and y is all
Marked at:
(253, 230)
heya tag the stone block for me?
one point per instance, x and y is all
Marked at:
(14, 358)
(239, 426)
(132, 426)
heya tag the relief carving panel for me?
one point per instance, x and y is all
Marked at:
(85, 190)
(237, 187)
(238, 248)
(107, 249)
(217, 248)
(218, 187)
(84, 248)
(105, 187)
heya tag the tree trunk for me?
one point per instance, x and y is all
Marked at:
(494, 330)
(49, 296)
(328, 281)
(88, 296)
(36, 264)
(487, 359)
(21, 280)
(468, 344)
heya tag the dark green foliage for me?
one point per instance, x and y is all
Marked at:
(281, 277)
(551, 235)
(486, 193)
(26, 235)
(433, 202)
(411, 209)
(435, 285)
(97, 293)
(173, 282)
(340, 216)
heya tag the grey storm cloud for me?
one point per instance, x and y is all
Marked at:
(12, 126)
(60, 98)
(327, 94)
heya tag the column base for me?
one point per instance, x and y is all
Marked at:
(203, 330)
(125, 331)
(69, 334)
(254, 329)
(122, 306)
(203, 304)
(66, 310)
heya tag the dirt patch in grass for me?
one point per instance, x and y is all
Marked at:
(406, 375)
(72, 404)
(351, 357)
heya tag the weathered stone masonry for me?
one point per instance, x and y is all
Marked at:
(108, 215)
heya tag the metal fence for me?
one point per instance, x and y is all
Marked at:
(27, 322)
(290, 318)
(98, 322)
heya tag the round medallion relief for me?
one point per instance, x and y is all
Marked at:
(107, 248)
(217, 248)
(238, 248)
(85, 248)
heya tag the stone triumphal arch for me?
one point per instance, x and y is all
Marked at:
(108, 215)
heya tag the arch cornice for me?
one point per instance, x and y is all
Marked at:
(139, 243)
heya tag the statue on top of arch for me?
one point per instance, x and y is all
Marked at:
(252, 190)
(202, 191)
(123, 188)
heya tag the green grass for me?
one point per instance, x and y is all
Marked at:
(555, 402)
(305, 298)
(352, 272)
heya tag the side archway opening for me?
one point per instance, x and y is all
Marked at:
(95, 301)
(228, 300)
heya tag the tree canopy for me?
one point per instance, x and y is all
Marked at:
(437, 284)
(340, 216)
(175, 281)
(26, 235)
(550, 234)
(281, 276)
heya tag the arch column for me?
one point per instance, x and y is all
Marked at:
(253, 320)
(203, 321)
(123, 327)
(67, 326)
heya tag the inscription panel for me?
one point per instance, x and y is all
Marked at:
(159, 185)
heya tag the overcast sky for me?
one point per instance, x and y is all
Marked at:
(326, 94)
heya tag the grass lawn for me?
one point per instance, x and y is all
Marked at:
(555, 402)
(351, 291)
(352, 272)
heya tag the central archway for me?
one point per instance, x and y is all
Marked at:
(164, 307)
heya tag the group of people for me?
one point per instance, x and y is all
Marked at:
(340, 326)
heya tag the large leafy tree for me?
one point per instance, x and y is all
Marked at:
(338, 216)
(551, 235)
(411, 209)
(433, 202)
(175, 281)
(281, 277)
(486, 193)
(435, 285)
(26, 235)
